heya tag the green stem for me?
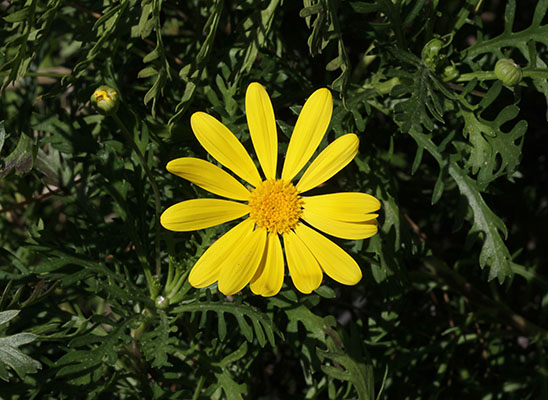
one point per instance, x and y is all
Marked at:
(172, 283)
(199, 386)
(173, 291)
(537, 73)
(170, 274)
(181, 291)
(154, 186)
(379, 106)
(480, 75)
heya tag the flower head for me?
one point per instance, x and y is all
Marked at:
(276, 208)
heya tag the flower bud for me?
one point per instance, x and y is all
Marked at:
(431, 50)
(450, 72)
(106, 100)
(508, 71)
(161, 302)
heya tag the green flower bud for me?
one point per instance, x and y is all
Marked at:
(508, 71)
(450, 72)
(431, 50)
(106, 100)
(161, 302)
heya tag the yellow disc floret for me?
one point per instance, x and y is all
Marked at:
(275, 205)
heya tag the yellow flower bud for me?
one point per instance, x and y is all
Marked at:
(106, 100)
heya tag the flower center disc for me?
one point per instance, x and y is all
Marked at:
(275, 206)
(101, 95)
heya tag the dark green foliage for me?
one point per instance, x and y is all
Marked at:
(10, 355)
(94, 297)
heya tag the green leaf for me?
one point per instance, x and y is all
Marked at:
(159, 343)
(83, 366)
(350, 365)
(10, 355)
(153, 55)
(156, 88)
(486, 225)
(535, 32)
(19, 15)
(346, 354)
(494, 152)
(233, 357)
(308, 11)
(21, 158)
(334, 64)
(258, 33)
(2, 135)
(8, 315)
(147, 72)
(325, 29)
(221, 325)
(146, 25)
(232, 389)
(438, 188)
(421, 101)
(261, 323)
(314, 324)
(201, 58)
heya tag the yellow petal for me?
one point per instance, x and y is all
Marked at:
(197, 214)
(303, 267)
(206, 270)
(224, 146)
(340, 229)
(347, 206)
(308, 133)
(209, 177)
(262, 128)
(335, 262)
(330, 161)
(242, 262)
(269, 277)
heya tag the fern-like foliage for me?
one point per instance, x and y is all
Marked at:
(340, 357)
(10, 354)
(94, 355)
(158, 343)
(492, 152)
(453, 152)
(251, 322)
(321, 17)
(491, 145)
(524, 41)
(422, 92)
(520, 40)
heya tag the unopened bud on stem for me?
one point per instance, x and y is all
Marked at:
(508, 71)
(106, 100)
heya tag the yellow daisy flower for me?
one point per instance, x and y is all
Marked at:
(251, 252)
